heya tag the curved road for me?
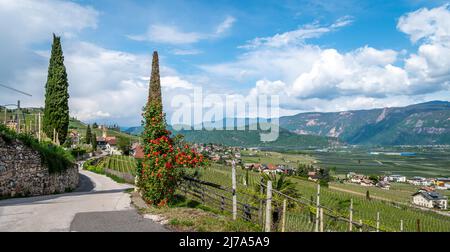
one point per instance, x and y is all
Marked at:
(99, 204)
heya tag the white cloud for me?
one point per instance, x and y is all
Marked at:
(433, 25)
(169, 34)
(185, 51)
(225, 25)
(174, 82)
(29, 21)
(298, 36)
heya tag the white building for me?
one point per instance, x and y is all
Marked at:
(430, 200)
(420, 181)
(397, 178)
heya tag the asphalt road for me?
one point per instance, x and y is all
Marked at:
(99, 204)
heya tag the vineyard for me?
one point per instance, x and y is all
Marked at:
(124, 164)
(336, 204)
(299, 219)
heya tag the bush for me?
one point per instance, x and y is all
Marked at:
(54, 157)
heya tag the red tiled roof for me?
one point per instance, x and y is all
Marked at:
(139, 152)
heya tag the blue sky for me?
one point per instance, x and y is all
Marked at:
(317, 55)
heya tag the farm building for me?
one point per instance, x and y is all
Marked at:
(397, 178)
(430, 200)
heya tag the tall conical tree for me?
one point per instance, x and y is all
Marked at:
(155, 81)
(158, 173)
(88, 135)
(56, 112)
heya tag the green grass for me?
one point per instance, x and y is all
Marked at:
(54, 157)
(189, 215)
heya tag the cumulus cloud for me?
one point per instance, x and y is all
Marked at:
(169, 34)
(312, 78)
(26, 23)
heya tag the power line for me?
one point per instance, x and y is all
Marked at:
(15, 90)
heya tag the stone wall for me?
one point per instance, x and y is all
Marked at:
(23, 174)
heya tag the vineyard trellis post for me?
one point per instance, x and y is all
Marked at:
(222, 204)
(283, 220)
(350, 228)
(39, 131)
(321, 219)
(269, 206)
(418, 225)
(360, 225)
(378, 221)
(261, 192)
(401, 225)
(233, 178)
(317, 208)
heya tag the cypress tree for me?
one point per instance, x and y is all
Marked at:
(88, 135)
(155, 81)
(56, 111)
(159, 172)
(94, 141)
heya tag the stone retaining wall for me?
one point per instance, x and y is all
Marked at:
(23, 174)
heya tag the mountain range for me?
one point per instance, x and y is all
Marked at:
(420, 124)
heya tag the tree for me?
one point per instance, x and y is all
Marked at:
(94, 142)
(56, 111)
(368, 195)
(95, 126)
(124, 146)
(88, 135)
(159, 172)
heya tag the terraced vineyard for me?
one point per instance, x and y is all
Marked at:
(366, 210)
(123, 164)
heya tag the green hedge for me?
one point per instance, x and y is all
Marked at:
(54, 157)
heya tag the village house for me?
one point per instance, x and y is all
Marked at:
(366, 182)
(419, 181)
(397, 178)
(137, 151)
(384, 185)
(442, 183)
(430, 200)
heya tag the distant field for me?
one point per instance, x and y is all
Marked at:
(427, 163)
(267, 157)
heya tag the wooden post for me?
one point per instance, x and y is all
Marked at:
(261, 204)
(233, 178)
(317, 208)
(378, 221)
(350, 227)
(54, 136)
(39, 130)
(269, 206)
(283, 220)
(418, 225)
(401, 225)
(361, 224)
(222, 204)
(5, 115)
(321, 219)
(18, 125)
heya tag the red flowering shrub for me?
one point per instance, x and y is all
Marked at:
(162, 166)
